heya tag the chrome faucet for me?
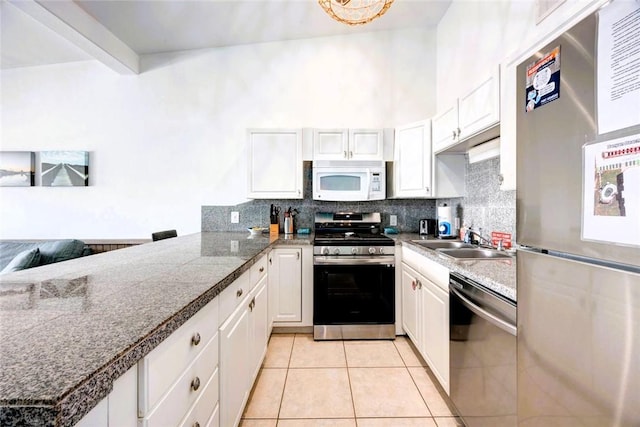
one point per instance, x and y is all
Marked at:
(480, 238)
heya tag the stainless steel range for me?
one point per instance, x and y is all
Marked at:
(354, 278)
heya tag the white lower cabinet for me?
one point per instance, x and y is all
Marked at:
(174, 377)
(119, 408)
(234, 361)
(243, 345)
(285, 274)
(425, 311)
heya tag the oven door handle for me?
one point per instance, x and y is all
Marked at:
(505, 326)
(347, 260)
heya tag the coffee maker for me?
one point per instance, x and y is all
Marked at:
(428, 227)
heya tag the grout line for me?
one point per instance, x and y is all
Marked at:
(346, 364)
(286, 377)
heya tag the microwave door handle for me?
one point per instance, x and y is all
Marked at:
(368, 183)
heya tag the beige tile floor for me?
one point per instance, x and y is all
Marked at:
(307, 383)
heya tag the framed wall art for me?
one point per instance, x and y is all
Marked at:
(64, 168)
(17, 168)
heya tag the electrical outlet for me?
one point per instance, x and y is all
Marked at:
(393, 220)
(235, 245)
(235, 217)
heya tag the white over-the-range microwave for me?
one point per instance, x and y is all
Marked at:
(349, 180)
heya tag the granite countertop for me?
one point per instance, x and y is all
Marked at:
(68, 330)
(497, 275)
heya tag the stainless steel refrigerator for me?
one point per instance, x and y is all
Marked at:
(578, 311)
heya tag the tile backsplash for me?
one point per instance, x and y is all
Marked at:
(484, 206)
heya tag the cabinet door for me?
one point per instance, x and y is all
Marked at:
(259, 326)
(275, 164)
(435, 311)
(508, 110)
(479, 109)
(234, 360)
(365, 144)
(445, 129)
(410, 307)
(285, 275)
(330, 144)
(412, 161)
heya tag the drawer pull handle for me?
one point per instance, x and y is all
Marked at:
(195, 339)
(261, 269)
(195, 384)
(239, 293)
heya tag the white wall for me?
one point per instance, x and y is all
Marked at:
(476, 35)
(171, 139)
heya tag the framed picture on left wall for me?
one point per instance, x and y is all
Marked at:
(17, 168)
(64, 168)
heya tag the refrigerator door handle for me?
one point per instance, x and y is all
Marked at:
(505, 326)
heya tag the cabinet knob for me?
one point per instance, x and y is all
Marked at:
(427, 189)
(454, 134)
(500, 178)
(239, 293)
(419, 284)
(195, 339)
(196, 424)
(344, 154)
(350, 154)
(458, 133)
(195, 384)
(261, 269)
(413, 284)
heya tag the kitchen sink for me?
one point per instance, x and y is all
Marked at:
(442, 244)
(474, 253)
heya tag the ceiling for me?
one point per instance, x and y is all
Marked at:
(154, 26)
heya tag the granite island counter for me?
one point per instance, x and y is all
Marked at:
(69, 330)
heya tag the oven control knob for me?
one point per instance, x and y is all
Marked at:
(354, 251)
(381, 251)
(336, 251)
(372, 251)
(325, 251)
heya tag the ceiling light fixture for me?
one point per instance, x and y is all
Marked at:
(355, 12)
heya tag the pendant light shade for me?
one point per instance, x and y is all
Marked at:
(355, 12)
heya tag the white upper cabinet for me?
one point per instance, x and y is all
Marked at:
(445, 129)
(472, 119)
(479, 109)
(348, 144)
(412, 175)
(508, 110)
(275, 164)
(330, 144)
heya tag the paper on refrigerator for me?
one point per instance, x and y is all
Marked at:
(611, 186)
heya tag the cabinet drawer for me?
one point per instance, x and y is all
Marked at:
(259, 270)
(190, 387)
(435, 272)
(205, 407)
(233, 295)
(160, 368)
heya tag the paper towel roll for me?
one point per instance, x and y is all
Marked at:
(445, 221)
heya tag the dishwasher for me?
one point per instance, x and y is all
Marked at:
(482, 352)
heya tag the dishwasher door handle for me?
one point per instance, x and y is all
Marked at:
(505, 326)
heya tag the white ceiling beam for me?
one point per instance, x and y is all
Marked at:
(70, 21)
